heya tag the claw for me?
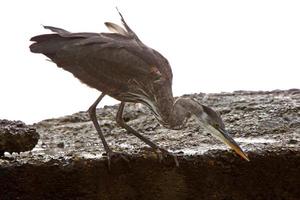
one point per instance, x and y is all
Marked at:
(111, 155)
(162, 153)
(159, 155)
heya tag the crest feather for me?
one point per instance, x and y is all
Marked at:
(116, 28)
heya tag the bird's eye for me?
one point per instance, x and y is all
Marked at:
(217, 126)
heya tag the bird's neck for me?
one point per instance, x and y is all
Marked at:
(175, 112)
(170, 112)
(171, 115)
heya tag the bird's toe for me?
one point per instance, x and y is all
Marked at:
(163, 153)
(113, 156)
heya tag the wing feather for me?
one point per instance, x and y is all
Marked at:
(115, 63)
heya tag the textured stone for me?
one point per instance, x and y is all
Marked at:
(15, 136)
(68, 161)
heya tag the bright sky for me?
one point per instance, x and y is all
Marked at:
(213, 46)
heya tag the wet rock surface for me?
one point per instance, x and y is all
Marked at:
(16, 136)
(68, 161)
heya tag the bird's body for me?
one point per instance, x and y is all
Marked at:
(120, 65)
(117, 65)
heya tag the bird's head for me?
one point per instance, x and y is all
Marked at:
(211, 121)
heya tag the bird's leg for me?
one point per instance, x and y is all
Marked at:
(160, 151)
(92, 113)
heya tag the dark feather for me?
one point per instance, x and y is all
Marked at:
(60, 31)
(116, 64)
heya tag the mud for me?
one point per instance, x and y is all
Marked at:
(68, 161)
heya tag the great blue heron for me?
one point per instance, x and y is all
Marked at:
(119, 65)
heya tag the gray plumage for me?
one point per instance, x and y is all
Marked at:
(120, 65)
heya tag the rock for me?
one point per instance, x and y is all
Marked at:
(265, 124)
(16, 136)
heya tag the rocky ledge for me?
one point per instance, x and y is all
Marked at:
(68, 161)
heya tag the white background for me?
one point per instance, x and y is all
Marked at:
(213, 46)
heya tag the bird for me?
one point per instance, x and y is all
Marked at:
(120, 65)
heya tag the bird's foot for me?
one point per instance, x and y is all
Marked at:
(112, 155)
(162, 153)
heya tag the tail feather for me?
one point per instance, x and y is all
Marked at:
(59, 31)
(44, 37)
(46, 44)
(49, 44)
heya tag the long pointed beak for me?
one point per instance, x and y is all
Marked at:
(224, 136)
